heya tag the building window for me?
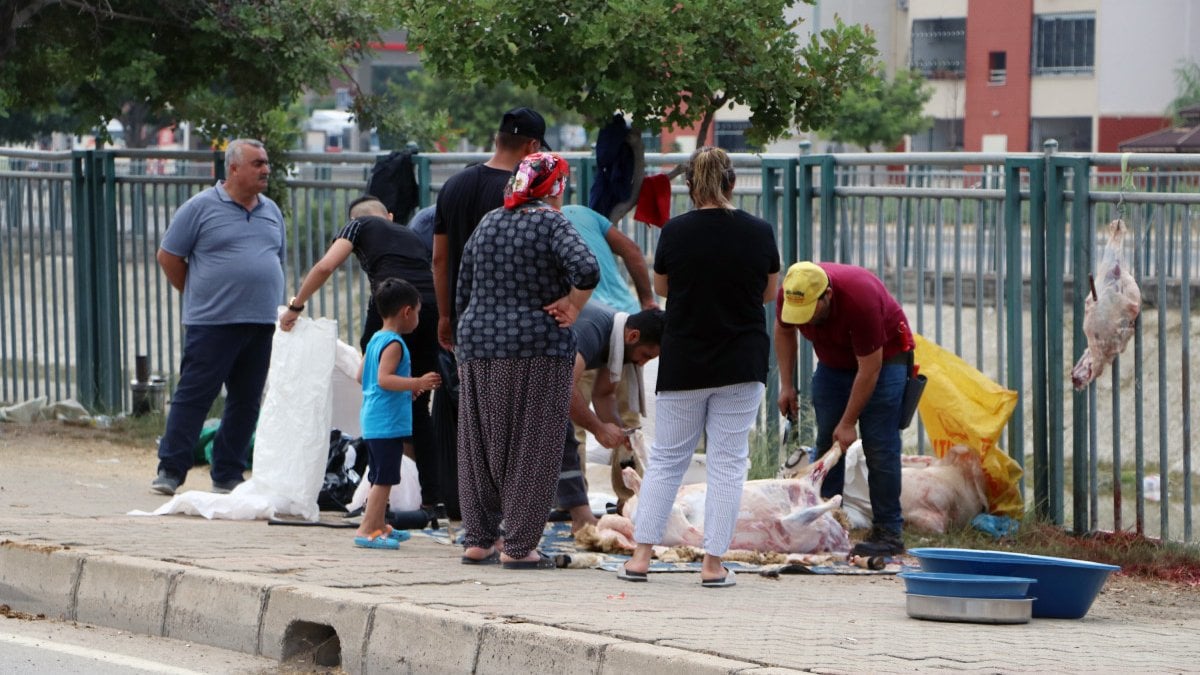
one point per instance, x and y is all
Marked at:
(1074, 134)
(1064, 44)
(997, 67)
(731, 137)
(939, 47)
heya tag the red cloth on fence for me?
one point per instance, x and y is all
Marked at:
(654, 201)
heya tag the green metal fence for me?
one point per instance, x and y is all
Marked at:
(982, 249)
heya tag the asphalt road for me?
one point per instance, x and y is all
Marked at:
(49, 647)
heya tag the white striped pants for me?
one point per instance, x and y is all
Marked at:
(726, 414)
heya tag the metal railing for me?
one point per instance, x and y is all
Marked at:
(983, 251)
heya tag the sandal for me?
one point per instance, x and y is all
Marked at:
(625, 575)
(724, 582)
(378, 539)
(398, 535)
(492, 558)
(544, 562)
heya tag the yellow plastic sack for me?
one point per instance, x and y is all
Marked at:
(961, 406)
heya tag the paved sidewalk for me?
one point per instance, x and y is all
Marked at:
(68, 550)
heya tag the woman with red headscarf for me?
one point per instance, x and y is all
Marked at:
(524, 276)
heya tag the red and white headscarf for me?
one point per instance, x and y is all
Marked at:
(542, 174)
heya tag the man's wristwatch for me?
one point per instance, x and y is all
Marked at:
(293, 306)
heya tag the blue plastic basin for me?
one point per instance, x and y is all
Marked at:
(1066, 587)
(966, 585)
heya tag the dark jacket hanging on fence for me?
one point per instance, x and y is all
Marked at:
(614, 167)
(393, 180)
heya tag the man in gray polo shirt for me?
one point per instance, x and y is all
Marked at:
(224, 250)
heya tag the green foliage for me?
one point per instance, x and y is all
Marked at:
(231, 68)
(467, 110)
(880, 112)
(1187, 89)
(662, 62)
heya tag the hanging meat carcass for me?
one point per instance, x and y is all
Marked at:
(1110, 311)
(783, 515)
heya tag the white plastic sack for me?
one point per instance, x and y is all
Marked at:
(406, 496)
(346, 391)
(237, 505)
(291, 443)
(856, 495)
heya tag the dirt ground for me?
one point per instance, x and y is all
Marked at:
(87, 456)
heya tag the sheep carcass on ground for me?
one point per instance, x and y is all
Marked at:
(784, 515)
(945, 492)
(1109, 313)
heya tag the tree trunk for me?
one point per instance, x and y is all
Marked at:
(702, 137)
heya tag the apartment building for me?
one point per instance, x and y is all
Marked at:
(1008, 75)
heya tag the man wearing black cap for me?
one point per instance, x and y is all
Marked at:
(463, 201)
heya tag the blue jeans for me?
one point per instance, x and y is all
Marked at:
(879, 429)
(234, 355)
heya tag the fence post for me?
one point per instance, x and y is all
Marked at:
(1081, 265)
(1035, 169)
(424, 179)
(785, 172)
(808, 200)
(1056, 284)
(97, 293)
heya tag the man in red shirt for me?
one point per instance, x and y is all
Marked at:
(863, 346)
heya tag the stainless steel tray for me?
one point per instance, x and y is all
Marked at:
(972, 610)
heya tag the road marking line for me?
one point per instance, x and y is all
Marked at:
(96, 655)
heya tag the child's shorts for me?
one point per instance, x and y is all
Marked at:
(383, 459)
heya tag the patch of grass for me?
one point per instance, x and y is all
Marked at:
(138, 431)
(145, 430)
(1138, 556)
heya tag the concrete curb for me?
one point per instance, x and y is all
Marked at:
(253, 615)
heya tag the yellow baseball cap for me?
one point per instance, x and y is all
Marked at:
(802, 287)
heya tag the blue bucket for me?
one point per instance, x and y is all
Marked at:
(1066, 587)
(966, 585)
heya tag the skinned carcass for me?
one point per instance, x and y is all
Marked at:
(941, 493)
(783, 515)
(1109, 313)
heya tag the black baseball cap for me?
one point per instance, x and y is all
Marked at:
(525, 122)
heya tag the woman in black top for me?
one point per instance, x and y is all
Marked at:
(717, 266)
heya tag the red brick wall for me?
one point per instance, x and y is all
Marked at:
(668, 137)
(1114, 130)
(998, 109)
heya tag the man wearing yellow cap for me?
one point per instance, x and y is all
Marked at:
(863, 345)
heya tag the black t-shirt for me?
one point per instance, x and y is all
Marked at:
(462, 202)
(386, 249)
(593, 332)
(717, 262)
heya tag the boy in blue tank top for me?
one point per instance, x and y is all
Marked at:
(386, 417)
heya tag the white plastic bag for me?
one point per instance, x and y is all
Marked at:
(856, 495)
(291, 445)
(405, 496)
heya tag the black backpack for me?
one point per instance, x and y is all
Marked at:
(393, 181)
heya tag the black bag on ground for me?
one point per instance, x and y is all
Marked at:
(340, 480)
(393, 180)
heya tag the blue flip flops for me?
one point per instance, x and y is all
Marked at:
(399, 535)
(377, 540)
